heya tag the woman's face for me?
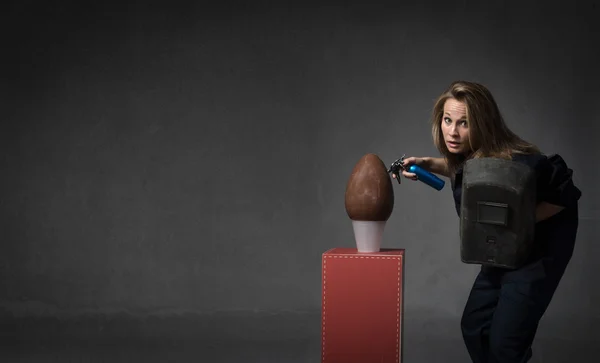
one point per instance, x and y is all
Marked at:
(455, 127)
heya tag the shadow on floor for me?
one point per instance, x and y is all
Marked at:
(247, 338)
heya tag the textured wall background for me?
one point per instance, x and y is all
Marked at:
(163, 160)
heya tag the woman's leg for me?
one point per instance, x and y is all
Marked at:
(518, 313)
(525, 295)
(478, 314)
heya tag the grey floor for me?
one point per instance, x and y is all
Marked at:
(248, 338)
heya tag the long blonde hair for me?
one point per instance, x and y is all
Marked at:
(489, 136)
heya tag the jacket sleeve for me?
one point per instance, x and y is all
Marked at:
(555, 182)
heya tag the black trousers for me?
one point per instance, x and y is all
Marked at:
(504, 307)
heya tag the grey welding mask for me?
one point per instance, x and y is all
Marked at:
(497, 215)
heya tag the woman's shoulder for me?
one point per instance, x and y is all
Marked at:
(542, 161)
(533, 160)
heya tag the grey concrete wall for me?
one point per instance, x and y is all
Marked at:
(160, 160)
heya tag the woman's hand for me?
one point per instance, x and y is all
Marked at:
(545, 210)
(408, 162)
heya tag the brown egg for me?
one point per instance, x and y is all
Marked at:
(369, 192)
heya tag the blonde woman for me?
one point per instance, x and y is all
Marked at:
(504, 307)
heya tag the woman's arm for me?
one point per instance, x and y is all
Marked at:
(545, 210)
(436, 166)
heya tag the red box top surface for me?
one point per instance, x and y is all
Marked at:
(354, 252)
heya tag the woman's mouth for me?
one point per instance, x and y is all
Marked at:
(453, 145)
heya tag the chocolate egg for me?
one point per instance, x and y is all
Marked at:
(369, 192)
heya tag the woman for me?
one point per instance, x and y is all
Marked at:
(504, 306)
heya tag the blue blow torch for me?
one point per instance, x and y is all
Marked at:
(423, 175)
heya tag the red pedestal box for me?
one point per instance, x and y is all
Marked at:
(362, 306)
